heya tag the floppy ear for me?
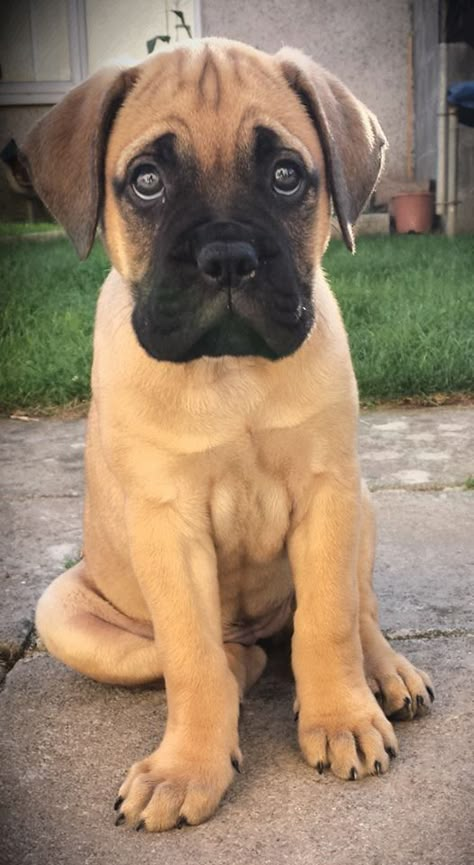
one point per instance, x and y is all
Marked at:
(64, 153)
(351, 137)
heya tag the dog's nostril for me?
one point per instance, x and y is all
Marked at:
(213, 268)
(227, 263)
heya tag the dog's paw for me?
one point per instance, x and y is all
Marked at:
(348, 734)
(167, 790)
(403, 691)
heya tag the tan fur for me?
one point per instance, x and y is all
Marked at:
(218, 488)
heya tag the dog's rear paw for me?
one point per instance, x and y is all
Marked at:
(403, 691)
(160, 793)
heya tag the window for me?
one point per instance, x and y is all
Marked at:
(42, 50)
(49, 46)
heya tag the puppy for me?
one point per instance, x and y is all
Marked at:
(224, 501)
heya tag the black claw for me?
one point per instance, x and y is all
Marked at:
(118, 802)
(420, 701)
(182, 821)
(353, 774)
(378, 767)
(430, 693)
(319, 767)
(120, 819)
(139, 825)
(236, 765)
(391, 752)
(296, 716)
(404, 713)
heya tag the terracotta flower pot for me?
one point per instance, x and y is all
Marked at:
(413, 212)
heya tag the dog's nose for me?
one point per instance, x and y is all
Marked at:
(227, 264)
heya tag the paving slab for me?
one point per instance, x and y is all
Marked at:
(41, 458)
(65, 744)
(424, 578)
(417, 448)
(424, 567)
(41, 489)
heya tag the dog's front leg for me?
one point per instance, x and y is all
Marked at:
(186, 777)
(339, 721)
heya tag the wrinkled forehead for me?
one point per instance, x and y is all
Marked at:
(212, 98)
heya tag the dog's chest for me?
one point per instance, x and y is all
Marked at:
(250, 511)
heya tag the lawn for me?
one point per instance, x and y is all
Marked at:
(408, 304)
(10, 229)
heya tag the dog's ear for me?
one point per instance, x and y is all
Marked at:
(351, 137)
(64, 152)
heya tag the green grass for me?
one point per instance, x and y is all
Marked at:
(408, 304)
(11, 229)
(46, 318)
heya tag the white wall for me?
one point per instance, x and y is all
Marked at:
(364, 42)
(118, 30)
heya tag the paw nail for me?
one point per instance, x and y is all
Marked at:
(420, 701)
(378, 767)
(320, 767)
(181, 822)
(120, 819)
(431, 693)
(391, 752)
(353, 774)
(296, 716)
(407, 701)
(139, 825)
(236, 765)
(118, 802)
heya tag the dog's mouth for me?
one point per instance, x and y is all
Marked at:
(226, 291)
(231, 336)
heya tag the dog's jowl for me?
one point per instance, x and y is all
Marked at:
(224, 501)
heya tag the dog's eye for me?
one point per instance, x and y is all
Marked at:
(287, 177)
(147, 182)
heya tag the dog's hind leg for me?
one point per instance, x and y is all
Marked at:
(247, 663)
(402, 690)
(87, 633)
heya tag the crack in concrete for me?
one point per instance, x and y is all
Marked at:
(373, 487)
(41, 496)
(10, 655)
(418, 488)
(428, 634)
(11, 652)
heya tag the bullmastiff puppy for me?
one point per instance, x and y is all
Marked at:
(224, 501)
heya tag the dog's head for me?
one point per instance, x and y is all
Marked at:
(211, 168)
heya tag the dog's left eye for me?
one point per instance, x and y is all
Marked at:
(147, 182)
(287, 177)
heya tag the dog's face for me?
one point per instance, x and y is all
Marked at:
(212, 169)
(214, 177)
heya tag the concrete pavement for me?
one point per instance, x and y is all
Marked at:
(66, 743)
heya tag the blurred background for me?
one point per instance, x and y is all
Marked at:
(407, 300)
(398, 56)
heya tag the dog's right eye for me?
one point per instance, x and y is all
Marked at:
(147, 183)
